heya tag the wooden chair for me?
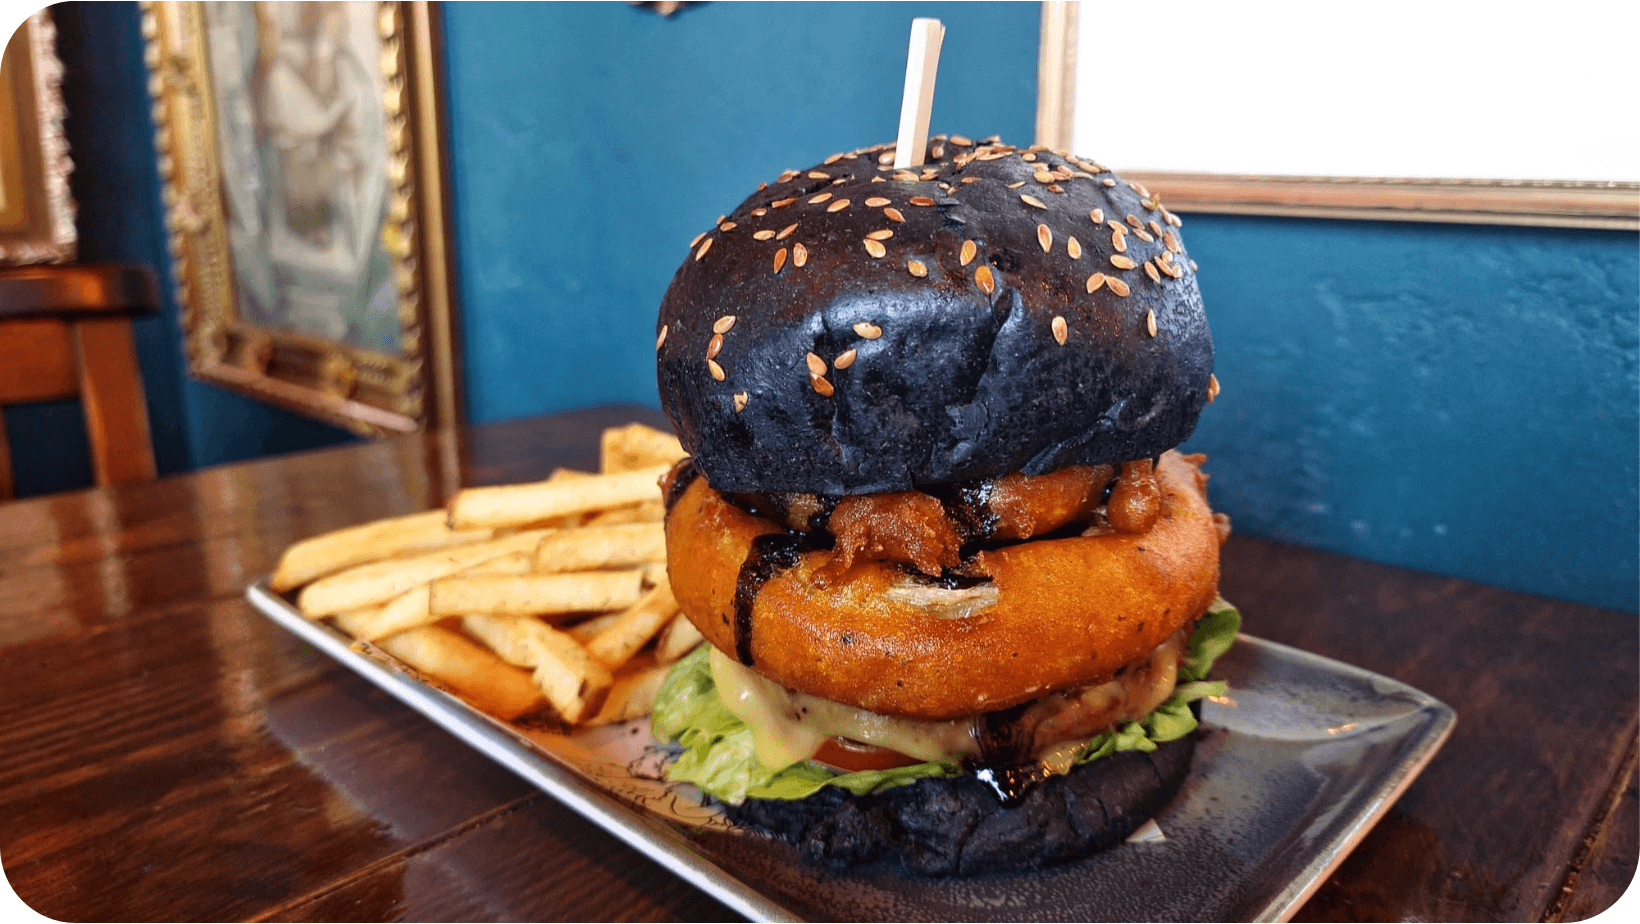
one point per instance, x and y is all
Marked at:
(65, 332)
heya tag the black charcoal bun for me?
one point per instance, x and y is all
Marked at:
(837, 335)
(955, 826)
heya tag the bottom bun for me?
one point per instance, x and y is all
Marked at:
(956, 826)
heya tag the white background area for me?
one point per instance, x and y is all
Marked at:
(1393, 88)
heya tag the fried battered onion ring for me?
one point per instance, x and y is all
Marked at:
(1050, 613)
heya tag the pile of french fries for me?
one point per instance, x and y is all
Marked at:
(526, 600)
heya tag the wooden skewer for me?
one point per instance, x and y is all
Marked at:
(921, 64)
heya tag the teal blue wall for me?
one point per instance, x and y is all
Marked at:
(1458, 399)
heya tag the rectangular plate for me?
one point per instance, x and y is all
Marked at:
(1293, 768)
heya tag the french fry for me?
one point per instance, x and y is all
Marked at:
(637, 446)
(584, 630)
(631, 695)
(378, 582)
(412, 608)
(678, 639)
(351, 620)
(470, 670)
(591, 548)
(536, 594)
(654, 574)
(572, 680)
(650, 511)
(512, 505)
(331, 552)
(635, 627)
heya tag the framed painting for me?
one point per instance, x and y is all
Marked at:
(1313, 111)
(304, 183)
(36, 209)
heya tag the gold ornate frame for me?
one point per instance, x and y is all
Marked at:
(370, 391)
(1614, 205)
(36, 208)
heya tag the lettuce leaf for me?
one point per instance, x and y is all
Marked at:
(717, 746)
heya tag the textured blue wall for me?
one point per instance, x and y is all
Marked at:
(591, 141)
(1453, 398)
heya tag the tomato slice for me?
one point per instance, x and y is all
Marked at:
(853, 757)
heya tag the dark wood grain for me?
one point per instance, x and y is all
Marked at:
(166, 753)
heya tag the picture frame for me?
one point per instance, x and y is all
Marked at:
(304, 181)
(1545, 203)
(36, 207)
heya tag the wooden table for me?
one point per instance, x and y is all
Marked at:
(168, 753)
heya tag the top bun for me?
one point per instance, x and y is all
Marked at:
(853, 328)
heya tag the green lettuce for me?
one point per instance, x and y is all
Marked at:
(717, 747)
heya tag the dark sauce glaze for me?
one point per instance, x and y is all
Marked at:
(678, 481)
(770, 554)
(968, 506)
(1002, 763)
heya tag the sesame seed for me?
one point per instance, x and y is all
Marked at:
(1151, 271)
(905, 176)
(661, 337)
(837, 206)
(1061, 331)
(841, 179)
(817, 199)
(787, 175)
(722, 325)
(921, 200)
(715, 369)
(1032, 201)
(962, 141)
(705, 246)
(819, 175)
(1027, 156)
(1118, 286)
(878, 179)
(916, 268)
(1098, 216)
(1212, 387)
(1143, 235)
(844, 359)
(937, 152)
(1148, 203)
(1193, 266)
(881, 235)
(822, 386)
(1138, 188)
(1016, 185)
(875, 248)
(1121, 262)
(1056, 188)
(779, 259)
(1135, 222)
(868, 330)
(1073, 247)
(714, 346)
(986, 281)
(971, 179)
(1043, 177)
(763, 235)
(832, 159)
(759, 212)
(782, 203)
(966, 255)
(877, 202)
(696, 240)
(1095, 281)
(1044, 237)
(800, 255)
(886, 158)
(786, 231)
(1118, 240)
(1108, 182)
(740, 401)
(727, 226)
(817, 366)
(1155, 228)
(893, 214)
(1171, 241)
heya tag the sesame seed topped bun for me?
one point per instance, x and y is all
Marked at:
(852, 328)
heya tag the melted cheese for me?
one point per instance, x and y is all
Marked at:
(788, 726)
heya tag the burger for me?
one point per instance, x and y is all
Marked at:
(959, 588)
